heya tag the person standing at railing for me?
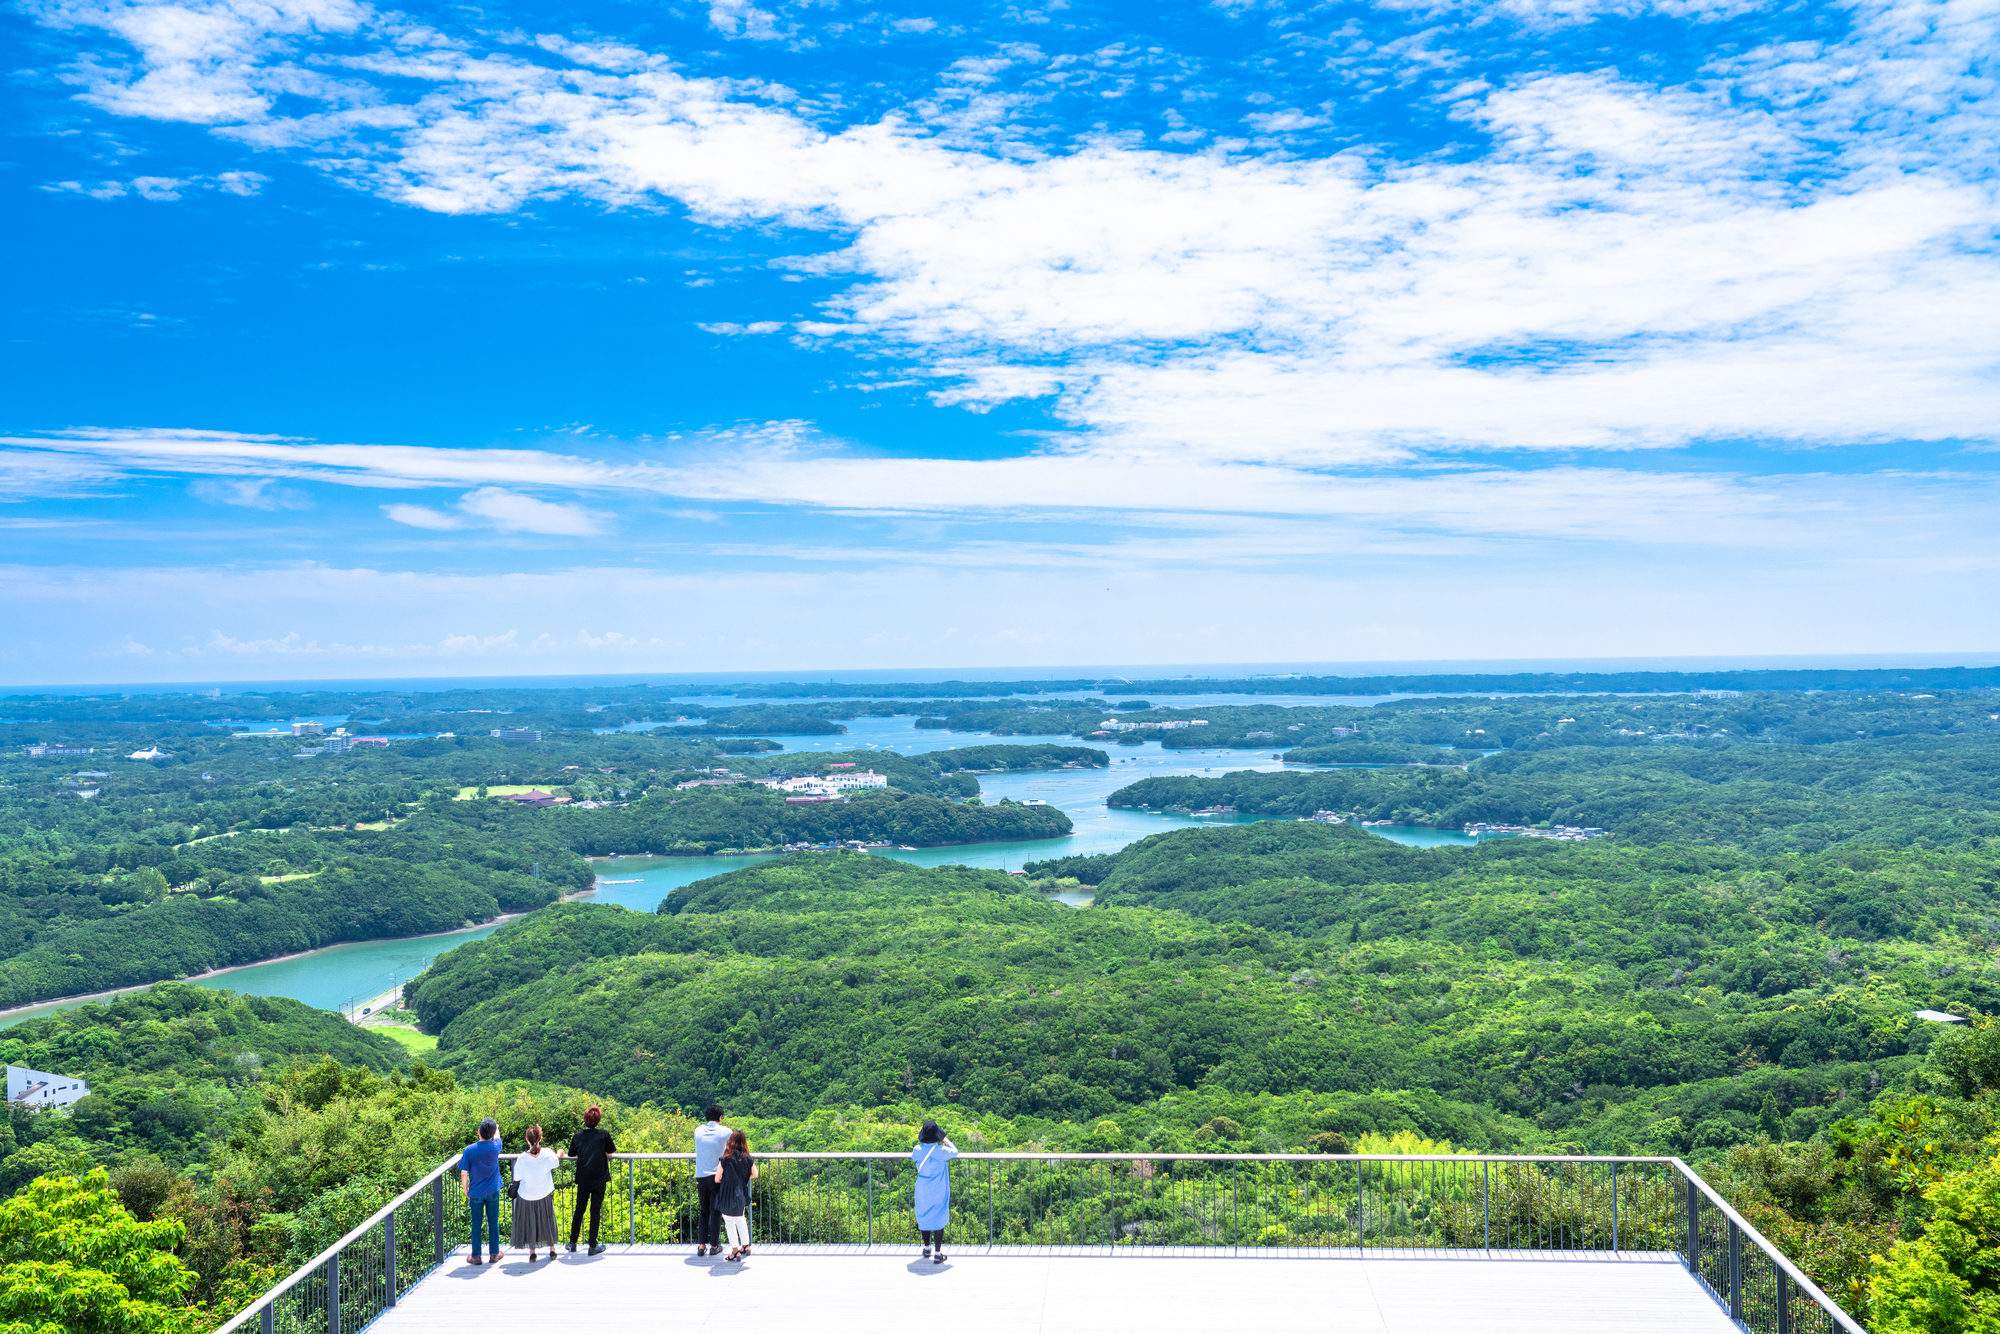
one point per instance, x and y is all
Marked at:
(732, 1192)
(709, 1141)
(933, 1156)
(534, 1224)
(592, 1148)
(479, 1170)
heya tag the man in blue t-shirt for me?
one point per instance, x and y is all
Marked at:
(709, 1141)
(479, 1169)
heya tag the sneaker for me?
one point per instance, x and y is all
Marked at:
(940, 1258)
(572, 1248)
(595, 1248)
(473, 1261)
(927, 1252)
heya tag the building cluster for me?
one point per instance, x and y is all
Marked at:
(828, 785)
(1167, 724)
(537, 799)
(517, 734)
(1565, 832)
(36, 752)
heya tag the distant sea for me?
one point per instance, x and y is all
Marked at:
(1102, 672)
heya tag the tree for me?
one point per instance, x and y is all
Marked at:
(1947, 1281)
(73, 1260)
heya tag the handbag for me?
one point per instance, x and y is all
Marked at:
(514, 1190)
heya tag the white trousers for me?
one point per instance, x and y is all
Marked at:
(738, 1227)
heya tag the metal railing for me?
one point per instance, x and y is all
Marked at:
(1333, 1205)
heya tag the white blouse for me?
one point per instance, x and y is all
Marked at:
(537, 1174)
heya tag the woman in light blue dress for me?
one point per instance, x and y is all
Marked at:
(933, 1156)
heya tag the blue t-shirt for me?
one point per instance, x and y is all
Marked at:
(482, 1162)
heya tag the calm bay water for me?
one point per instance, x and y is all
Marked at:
(350, 974)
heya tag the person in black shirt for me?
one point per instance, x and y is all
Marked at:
(732, 1192)
(592, 1149)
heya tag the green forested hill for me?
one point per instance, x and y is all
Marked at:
(713, 819)
(828, 979)
(1925, 791)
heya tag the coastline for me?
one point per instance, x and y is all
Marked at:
(197, 978)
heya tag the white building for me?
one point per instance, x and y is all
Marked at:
(517, 734)
(38, 1088)
(308, 729)
(1113, 725)
(833, 784)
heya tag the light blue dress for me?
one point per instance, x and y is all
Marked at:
(933, 1189)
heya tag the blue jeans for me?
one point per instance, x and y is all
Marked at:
(486, 1207)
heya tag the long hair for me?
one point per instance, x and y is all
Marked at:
(534, 1140)
(930, 1134)
(739, 1144)
(593, 1116)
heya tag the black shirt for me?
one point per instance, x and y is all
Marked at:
(592, 1150)
(732, 1197)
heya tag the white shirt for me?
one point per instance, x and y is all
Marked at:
(537, 1174)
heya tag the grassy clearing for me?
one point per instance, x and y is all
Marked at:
(498, 790)
(420, 1044)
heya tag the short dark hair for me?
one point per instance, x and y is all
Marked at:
(714, 1113)
(593, 1116)
(488, 1128)
(930, 1134)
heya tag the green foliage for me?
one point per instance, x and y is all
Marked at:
(171, 1068)
(710, 820)
(73, 1260)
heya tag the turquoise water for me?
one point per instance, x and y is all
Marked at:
(352, 974)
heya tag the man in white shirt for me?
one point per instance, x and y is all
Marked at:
(709, 1141)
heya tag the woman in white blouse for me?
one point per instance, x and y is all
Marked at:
(534, 1223)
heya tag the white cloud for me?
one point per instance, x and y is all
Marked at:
(1795, 248)
(262, 493)
(512, 512)
(508, 511)
(423, 516)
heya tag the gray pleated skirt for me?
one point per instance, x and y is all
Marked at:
(534, 1223)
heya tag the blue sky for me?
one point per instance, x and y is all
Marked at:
(522, 337)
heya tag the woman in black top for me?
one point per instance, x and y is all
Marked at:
(592, 1149)
(732, 1192)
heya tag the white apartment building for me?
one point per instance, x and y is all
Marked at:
(833, 784)
(38, 1088)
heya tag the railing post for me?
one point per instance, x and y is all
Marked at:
(1784, 1302)
(333, 1294)
(1735, 1272)
(1694, 1227)
(1614, 1208)
(1486, 1202)
(267, 1319)
(389, 1259)
(871, 1201)
(1360, 1211)
(989, 1201)
(631, 1201)
(437, 1214)
(1235, 1204)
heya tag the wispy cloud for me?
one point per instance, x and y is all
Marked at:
(508, 511)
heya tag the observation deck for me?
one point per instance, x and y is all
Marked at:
(983, 1290)
(1049, 1243)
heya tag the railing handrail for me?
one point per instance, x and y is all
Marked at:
(1777, 1256)
(299, 1275)
(899, 1155)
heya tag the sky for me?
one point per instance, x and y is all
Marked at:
(504, 338)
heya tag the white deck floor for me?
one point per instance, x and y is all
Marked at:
(791, 1290)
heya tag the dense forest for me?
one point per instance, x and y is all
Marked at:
(1731, 974)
